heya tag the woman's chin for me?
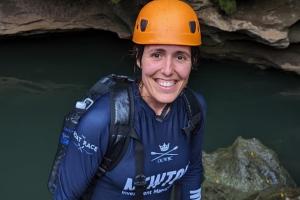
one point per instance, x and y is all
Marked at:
(165, 98)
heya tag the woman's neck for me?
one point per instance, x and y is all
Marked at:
(156, 106)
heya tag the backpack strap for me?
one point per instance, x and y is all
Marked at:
(122, 112)
(122, 130)
(193, 110)
(140, 178)
(194, 113)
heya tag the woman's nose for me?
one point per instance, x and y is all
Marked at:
(168, 67)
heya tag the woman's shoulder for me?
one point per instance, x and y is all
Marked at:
(97, 117)
(201, 100)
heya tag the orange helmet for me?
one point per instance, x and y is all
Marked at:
(167, 22)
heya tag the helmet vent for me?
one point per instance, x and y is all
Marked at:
(144, 23)
(192, 26)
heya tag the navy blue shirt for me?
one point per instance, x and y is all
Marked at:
(169, 157)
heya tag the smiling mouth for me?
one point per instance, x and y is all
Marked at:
(166, 83)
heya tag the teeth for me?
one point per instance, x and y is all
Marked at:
(166, 83)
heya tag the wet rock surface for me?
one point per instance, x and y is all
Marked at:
(259, 32)
(23, 17)
(247, 170)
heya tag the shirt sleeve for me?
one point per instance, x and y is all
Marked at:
(84, 153)
(190, 184)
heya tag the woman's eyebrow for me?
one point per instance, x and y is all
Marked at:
(183, 52)
(157, 50)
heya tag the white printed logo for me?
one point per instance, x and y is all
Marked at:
(164, 147)
(83, 145)
(156, 183)
(165, 155)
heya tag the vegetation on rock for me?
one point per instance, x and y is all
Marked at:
(228, 6)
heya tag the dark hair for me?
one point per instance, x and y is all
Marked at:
(138, 51)
(195, 57)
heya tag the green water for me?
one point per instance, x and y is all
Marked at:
(41, 77)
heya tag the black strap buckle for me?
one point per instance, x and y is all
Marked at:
(140, 180)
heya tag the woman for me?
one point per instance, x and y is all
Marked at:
(166, 35)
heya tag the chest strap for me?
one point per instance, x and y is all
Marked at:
(140, 178)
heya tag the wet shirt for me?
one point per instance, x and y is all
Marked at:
(169, 156)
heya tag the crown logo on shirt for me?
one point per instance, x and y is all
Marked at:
(164, 147)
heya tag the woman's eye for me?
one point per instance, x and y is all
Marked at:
(180, 57)
(156, 55)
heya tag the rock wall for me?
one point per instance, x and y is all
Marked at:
(262, 32)
(247, 170)
(25, 17)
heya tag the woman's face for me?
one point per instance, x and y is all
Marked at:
(165, 72)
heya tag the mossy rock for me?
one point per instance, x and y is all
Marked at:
(245, 169)
(228, 6)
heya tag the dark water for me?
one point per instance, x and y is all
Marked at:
(41, 77)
